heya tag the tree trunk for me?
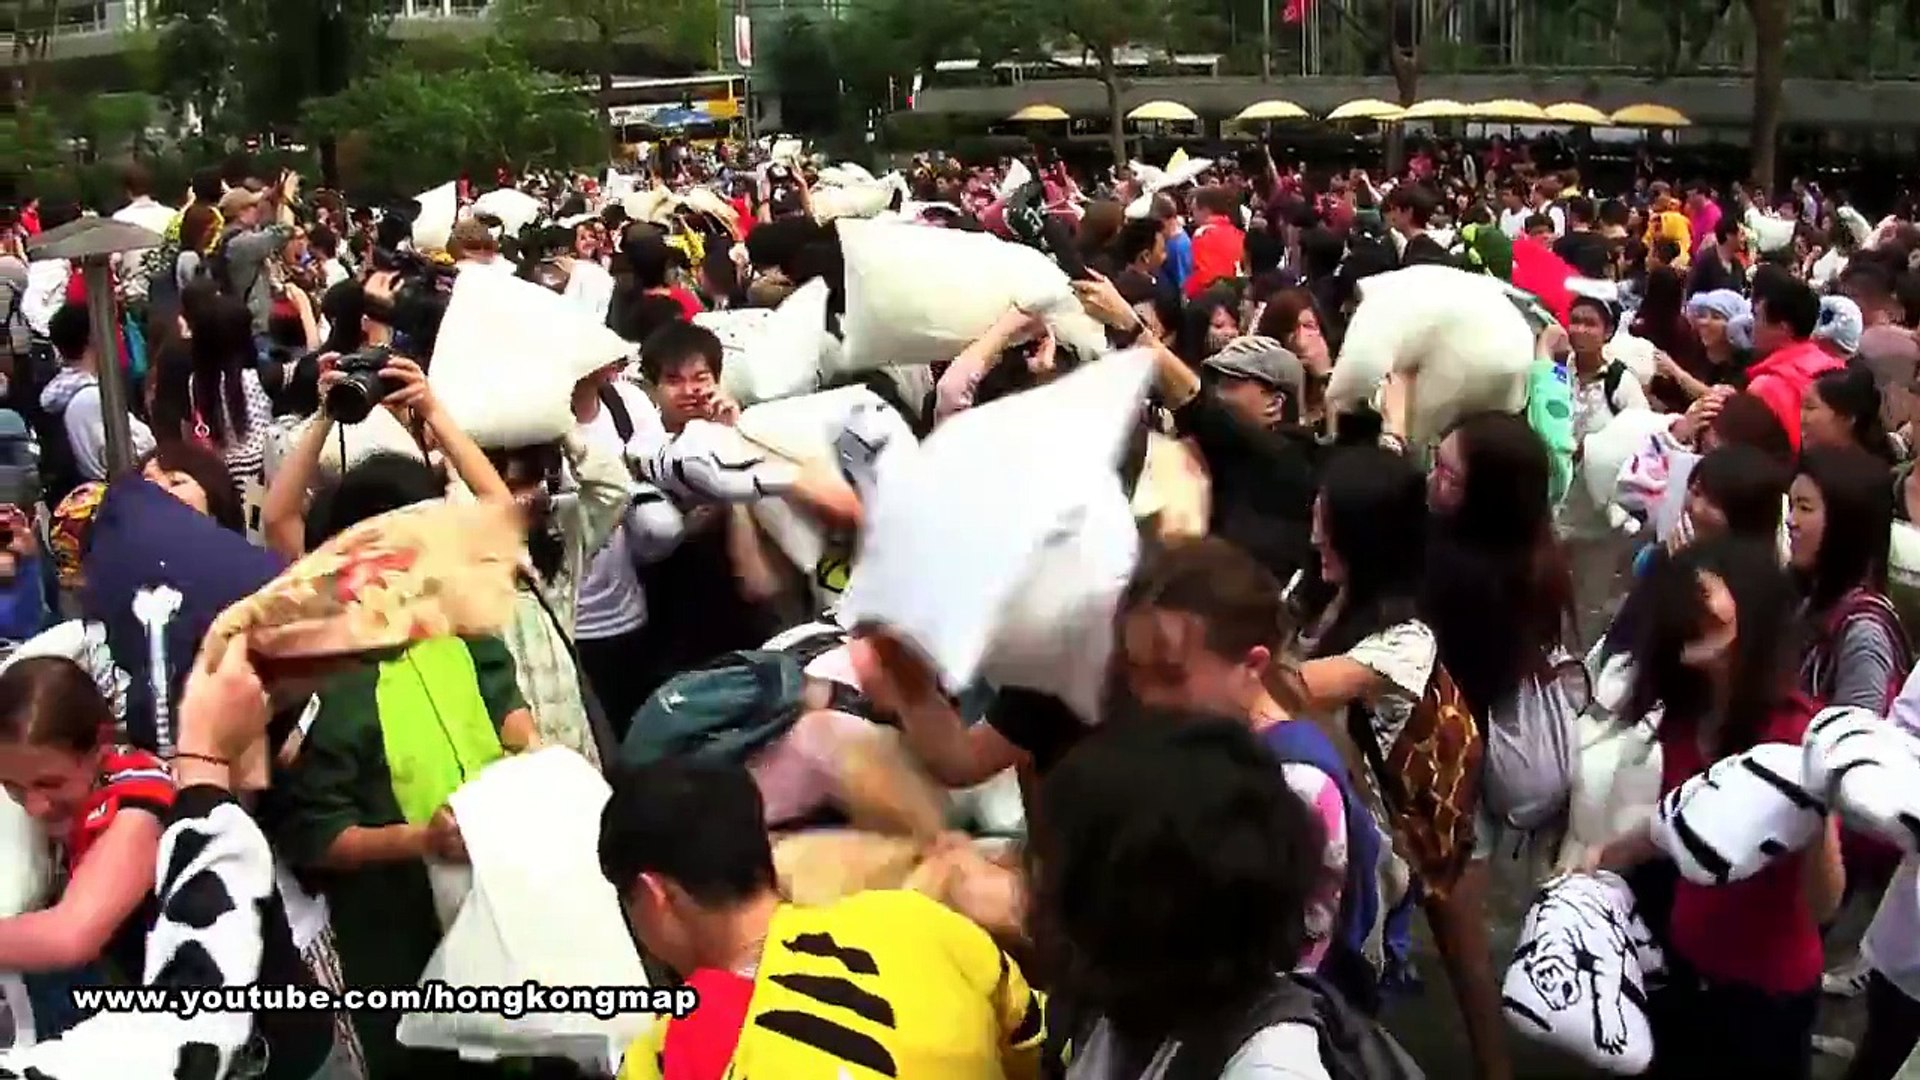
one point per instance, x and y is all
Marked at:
(606, 92)
(1406, 82)
(1769, 69)
(1116, 121)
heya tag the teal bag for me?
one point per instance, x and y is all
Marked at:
(1550, 415)
(726, 711)
(136, 339)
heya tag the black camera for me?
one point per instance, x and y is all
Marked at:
(361, 386)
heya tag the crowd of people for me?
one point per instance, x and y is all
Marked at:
(1212, 873)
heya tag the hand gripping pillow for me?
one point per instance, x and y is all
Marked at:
(508, 357)
(953, 553)
(919, 296)
(776, 354)
(1466, 343)
(1730, 822)
(1579, 973)
(1868, 769)
(714, 463)
(540, 910)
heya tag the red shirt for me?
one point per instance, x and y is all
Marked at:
(701, 1045)
(129, 780)
(690, 304)
(1219, 252)
(1758, 932)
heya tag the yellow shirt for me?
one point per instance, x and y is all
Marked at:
(881, 984)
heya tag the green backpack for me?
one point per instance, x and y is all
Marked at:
(725, 711)
(1550, 415)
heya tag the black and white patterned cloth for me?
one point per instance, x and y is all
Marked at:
(215, 873)
(1868, 769)
(1578, 981)
(1732, 821)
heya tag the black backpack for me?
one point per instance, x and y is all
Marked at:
(1353, 1046)
(1610, 383)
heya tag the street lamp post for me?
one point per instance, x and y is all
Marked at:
(92, 242)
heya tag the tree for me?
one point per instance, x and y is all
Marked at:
(685, 26)
(1393, 31)
(419, 125)
(1770, 20)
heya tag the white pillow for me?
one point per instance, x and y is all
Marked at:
(1732, 821)
(965, 527)
(1457, 332)
(85, 643)
(1579, 973)
(845, 174)
(862, 200)
(439, 209)
(714, 463)
(540, 910)
(920, 296)
(1616, 775)
(1903, 571)
(1605, 453)
(772, 354)
(515, 208)
(26, 860)
(1868, 769)
(508, 357)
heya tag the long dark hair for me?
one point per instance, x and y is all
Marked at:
(1764, 650)
(1375, 513)
(1851, 394)
(1497, 591)
(1857, 489)
(214, 394)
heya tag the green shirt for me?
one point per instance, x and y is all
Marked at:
(392, 739)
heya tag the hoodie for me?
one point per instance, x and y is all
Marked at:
(72, 399)
(1783, 377)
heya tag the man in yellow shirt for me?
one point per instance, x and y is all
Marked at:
(881, 984)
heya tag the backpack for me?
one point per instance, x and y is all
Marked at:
(1530, 745)
(1550, 415)
(1429, 780)
(59, 469)
(616, 407)
(731, 708)
(1817, 673)
(1352, 1045)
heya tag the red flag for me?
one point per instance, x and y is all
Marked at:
(1296, 11)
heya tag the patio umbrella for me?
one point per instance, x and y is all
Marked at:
(1040, 112)
(1435, 109)
(1578, 113)
(1651, 116)
(1165, 111)
(1366, 109)
(1509, 109)
(1271, 110)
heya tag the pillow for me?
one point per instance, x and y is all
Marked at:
(845, 174)
(1728, 823)
(425, 571)
(920, 296)
(1868, 769)
(953, 556)
(1903, 572)
(508, 357)
(1458, 332)
(1579, 973)
(1616, 781)
(540, 910)
(26, 860)
(515, 208)
(852, 201)
(712, 462)
(1174, 489)
(84, 643)
(439, 209)
(772, 354)
(158, 573)
(1605, 454)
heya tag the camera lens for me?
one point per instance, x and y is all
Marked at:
(350, 400)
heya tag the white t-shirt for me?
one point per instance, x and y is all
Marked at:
(1514, 222)
(1403, 655)
(1281, 1052)
(611, 600)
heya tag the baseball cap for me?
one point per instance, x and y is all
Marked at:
(237, 202)
(1262, 359)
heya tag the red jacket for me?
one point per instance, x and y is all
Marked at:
(1219, 252)
(1782, 379)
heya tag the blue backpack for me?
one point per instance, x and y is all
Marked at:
(725, 711)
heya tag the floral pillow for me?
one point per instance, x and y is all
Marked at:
(426, 571)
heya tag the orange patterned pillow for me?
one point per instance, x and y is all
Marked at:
(426, 571)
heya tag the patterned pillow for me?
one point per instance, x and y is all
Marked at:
(430, 570)
(1579, 972)
(1730, 822)
(1868, 769)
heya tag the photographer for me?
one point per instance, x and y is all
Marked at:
(410, 399)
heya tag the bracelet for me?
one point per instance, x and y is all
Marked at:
(207, 758)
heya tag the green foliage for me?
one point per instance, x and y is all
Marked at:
(686, 28)
(251, 65)
(416, 127)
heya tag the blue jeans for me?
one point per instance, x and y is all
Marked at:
(51, 994)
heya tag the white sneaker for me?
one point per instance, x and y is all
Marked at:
(1849, 980)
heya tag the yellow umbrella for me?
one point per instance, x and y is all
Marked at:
(1435, 109)
(1507, 109)
(1650, 116)
(1366, 109)
(1578, 113)
(1169, 111)
(1040, 112)
(1272, 110)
